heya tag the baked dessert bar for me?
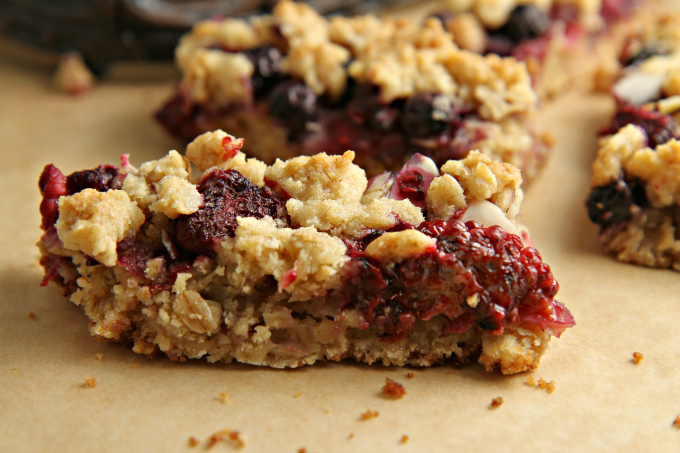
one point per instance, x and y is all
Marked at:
(563, 42)
(294, 83)
(303, 260)
(634, 196)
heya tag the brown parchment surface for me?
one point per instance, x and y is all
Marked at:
(602, 401)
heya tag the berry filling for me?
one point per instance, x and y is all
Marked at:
(615, 203)
(658, 127)
(475, 276)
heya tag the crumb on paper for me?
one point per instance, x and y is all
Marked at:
(90, 382)
(637, 357)
(369, 414)
(531, 382)
(496, 402)
(226, 435)
(99, 356)
(326, 411)
(393, 389)
(223, 396)
(548, 386)
(410, 375)
(302, 450)
(16, 368)
(72, 75)
(134, 365)
(297, 395)
(31, 315)
(676, 422)
(193, 442)
(403, 439)
(351, 436)
(449, 372)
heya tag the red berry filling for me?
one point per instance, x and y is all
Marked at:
(658, 127)
(227, 195)
(477, 276)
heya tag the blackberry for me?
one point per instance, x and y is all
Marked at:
(659, 128)
(267, 62)
(102, 178)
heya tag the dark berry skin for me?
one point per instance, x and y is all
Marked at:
(52, 185)
(508, 279)
(525, 22)
(227, 195)
(102, 178)
(643, 54)
(427, 115)
(614, 203)
(294, 104)
(267, 62)
(659, 128)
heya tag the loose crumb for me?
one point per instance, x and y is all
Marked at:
(193, 442)
(531, 382)
(449, 372)
(302, 450)
(226, 435)
(297, 395)
(403, 439)
(496, 402)
(369, 414)
(676, 422)
(223, 396)
(637, 357)
(16, 368)
(351, 436)
(410, 375)
(326, 411)
(31, 315)
(90, 382)
(135, 366)
(548, 386)
(393, 389)
(99, 356)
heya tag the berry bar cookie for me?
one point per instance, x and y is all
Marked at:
(303, 260)
(635, 194)
(561, 41)
(294, 83)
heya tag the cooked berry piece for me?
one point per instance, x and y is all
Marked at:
(102, 178)
(477, 275)
(267, 62)
(427, 115)
(659, 127)
(613, 203)
(227, 195)
(499, 44)
(52, 185)
(294, 104)
(613, 10)
(525, 22)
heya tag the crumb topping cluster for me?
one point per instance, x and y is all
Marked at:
(398, 56)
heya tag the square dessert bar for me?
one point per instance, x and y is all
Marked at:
(295, 83)
(303, 260)
(565, 43)
(635, 194)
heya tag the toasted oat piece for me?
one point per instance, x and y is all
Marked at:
(635, 194)
(303, 260)
(294, 83)
(564, 43)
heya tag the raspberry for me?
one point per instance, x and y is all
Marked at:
(659, 128)
(478, 276)
(227, 195)
(102, 178)
(52, 184)
(613, 203)
(525, 22)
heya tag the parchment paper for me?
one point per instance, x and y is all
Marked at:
(602, 400)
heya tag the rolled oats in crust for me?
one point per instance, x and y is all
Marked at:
(246, 277)
(295, 83)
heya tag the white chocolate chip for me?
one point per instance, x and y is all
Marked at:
(488, 214)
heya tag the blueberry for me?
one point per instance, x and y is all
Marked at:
(613, 203)
(294, 104)
(267, 62)
(525, 22)
(427, 115)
